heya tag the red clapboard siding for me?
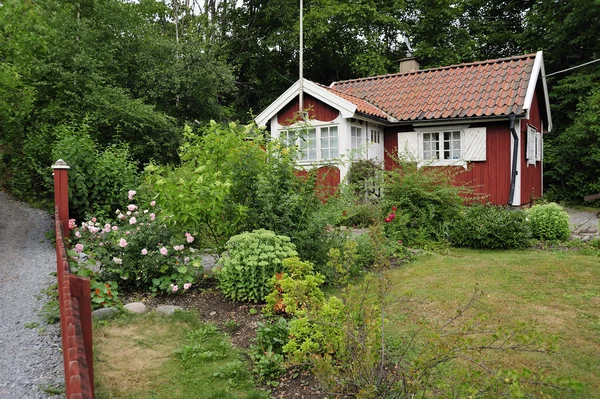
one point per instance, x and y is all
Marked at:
(490, 178)
(328, 180)
(317, 110)
(531, 175)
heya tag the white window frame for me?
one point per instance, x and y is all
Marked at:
(424, 133)
(534, 145)
(356, 142)
(375, 136)
(303, 142)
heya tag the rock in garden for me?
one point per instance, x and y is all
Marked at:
(104, 313)
(167, 309)
(136, 307)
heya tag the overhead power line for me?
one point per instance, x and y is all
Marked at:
(575, 67)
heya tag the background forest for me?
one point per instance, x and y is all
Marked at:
(130, 75)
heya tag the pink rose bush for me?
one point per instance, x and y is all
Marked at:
(138, 259)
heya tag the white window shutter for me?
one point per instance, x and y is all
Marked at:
(475, 144)
(530, 145)
(408, 145)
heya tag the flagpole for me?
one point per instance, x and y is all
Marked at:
(301, 93)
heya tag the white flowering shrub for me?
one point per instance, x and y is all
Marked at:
(138, 251)
(549, 222)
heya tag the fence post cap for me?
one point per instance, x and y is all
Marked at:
(60, 164)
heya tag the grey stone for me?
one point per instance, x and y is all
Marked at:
(213, 313)
(136, 307)
(167, 309)
(104, 313)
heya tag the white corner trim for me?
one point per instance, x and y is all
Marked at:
(538, 66)
(346, 108)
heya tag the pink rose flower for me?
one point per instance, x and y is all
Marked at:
(77, 234)
(152, 216)
(178, 247)
(153, 203)
(115, 228)
(122, 243)
(186, 286)
(144, 251)
(79, 248)
(131, 207)
(133, 220)
(94, 220)
(164, 251)
(189, 237)
(130, 194)
(174, 288)
(72, 224)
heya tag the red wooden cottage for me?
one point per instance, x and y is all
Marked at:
(487, 117)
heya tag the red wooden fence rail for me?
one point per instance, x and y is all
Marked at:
(74, 300)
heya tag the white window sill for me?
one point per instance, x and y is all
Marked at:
(453, 162)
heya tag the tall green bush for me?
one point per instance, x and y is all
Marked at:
(490, 227)
(549, 222)
(249, 263)
(99, 178)
(423, 201)
(231, 179)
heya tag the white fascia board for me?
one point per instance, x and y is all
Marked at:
(346, 108)
(538, 66)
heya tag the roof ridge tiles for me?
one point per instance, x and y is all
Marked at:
(442, 68)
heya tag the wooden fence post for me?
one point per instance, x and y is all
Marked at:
(61, 193)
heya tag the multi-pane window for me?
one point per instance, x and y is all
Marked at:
(288, 137)
(308, 145)
(329, 142)
(356, 141)
(431, 146)
(375, 136)
(442, 145)
(451, 145)
(315, 144)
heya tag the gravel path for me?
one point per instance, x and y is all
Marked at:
(584, 224)
(30, 356)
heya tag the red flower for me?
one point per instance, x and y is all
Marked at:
(394, 208)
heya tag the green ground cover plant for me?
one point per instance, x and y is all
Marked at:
(174, 357)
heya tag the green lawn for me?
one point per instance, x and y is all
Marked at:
(552, 292)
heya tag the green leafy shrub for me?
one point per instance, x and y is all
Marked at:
(231, 180)
(139, 251)
(99, 179)
(267, 348)
(490, 227)
(296, 290)
(365, 177)
(317, 333)
(249, 263)
(549, 222)
(423, 200)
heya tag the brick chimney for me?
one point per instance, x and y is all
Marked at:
(409, 64)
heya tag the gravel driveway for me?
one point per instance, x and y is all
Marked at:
(30, 356)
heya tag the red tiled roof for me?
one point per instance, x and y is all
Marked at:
(488, 88)
(362, 106)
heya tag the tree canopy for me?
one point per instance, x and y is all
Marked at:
(137, 72)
